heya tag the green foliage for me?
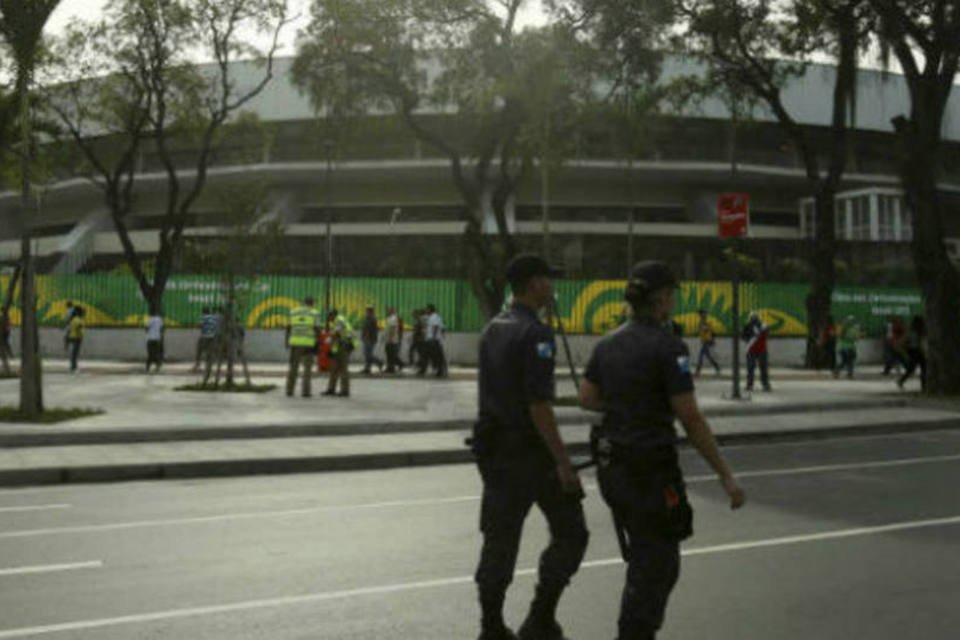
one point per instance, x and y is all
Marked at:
(48, 416)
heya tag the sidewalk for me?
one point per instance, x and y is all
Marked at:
(151, 431)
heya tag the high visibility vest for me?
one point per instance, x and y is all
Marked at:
(303, 324)
(344, 334)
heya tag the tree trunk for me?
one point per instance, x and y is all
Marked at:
(31, 369)
(824, 274)
(938, 279)
(484, 271)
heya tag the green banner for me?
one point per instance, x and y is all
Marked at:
(585, 306)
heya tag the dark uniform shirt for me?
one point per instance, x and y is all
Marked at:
(638, 368)
(516, 368)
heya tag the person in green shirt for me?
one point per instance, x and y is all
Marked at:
(847, 346)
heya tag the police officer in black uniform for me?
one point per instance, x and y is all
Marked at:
(522, 459)
(639, 377)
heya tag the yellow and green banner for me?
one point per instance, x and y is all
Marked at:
(585, 306)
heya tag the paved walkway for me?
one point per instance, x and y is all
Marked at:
(150, 430)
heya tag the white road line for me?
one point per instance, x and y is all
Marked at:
(827, 468)
(249, 605)
(34, 507)
(51, 568)
(120, 526)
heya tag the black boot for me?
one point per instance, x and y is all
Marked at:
(541, 622)
(492, 626)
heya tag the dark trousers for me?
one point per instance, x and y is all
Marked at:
(432, 355)
(761, 359)
(511, 486)
(204, 348)
(415, 354)
(653, 559)
(369, 360)
(705, 352)
(339, 372)
(5, 354)
(393, 357)
(154, 353)
(74, 345)
(848, 357)
(915, 358)
(300, 357)
(892, 359)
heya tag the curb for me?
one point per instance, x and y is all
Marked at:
(565, 416)
(394, 460)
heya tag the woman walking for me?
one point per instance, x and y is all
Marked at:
(75, 331)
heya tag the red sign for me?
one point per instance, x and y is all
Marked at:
(733, 214)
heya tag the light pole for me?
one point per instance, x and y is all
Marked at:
(328, 204)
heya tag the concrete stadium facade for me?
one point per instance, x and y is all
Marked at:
(395, 212)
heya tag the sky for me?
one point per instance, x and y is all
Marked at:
(70, 10)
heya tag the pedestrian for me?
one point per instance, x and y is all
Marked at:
(522, 459)
(369, 336)
(5, 351)
(755, 334)
(827, 342)
(75, 332)
(847, 346)
(916, 347)
(433, 343)
(415, 355)
(301, 339)
(341, 346)
(639, 378)
(707, 340)
(239, 353)
(393, 328)
(154, 330)
(208, 333)
(893, 350)
(68, 316)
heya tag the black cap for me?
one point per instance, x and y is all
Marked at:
(528, 265)
(652, 275)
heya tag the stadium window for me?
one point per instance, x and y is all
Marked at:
(906, 222)
(808, 220)
(840, 220)
(887, 213)
(861, 218)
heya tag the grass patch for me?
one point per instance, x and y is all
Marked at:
(9, 376)
(566, 401)
(223, 388)
(50, 416)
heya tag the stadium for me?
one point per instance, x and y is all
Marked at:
(392, 209)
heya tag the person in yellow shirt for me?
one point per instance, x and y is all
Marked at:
(75, 331)
(707, 340)
(301, 339)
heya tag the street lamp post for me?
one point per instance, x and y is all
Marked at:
(328, 204)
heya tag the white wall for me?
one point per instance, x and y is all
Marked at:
(266, 345)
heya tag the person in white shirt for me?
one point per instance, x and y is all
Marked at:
(154, 331)
(393, 338)
(433, 344)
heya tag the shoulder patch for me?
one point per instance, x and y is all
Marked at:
(545, 350)
(683, 363)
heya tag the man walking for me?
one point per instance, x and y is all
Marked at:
(393, 328)
(755, 334)
(208, 332)
(522, 459)
(369, 336)
(434, 344)
(341, 346)
(707, 340)
(75, 332)
(847, 346)
(301, 339)
(154, 330)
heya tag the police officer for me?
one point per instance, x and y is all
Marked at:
(522, 459)
(301, 339)
(639, 377)
(341, 346)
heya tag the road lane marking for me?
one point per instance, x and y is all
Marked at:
(827, 468)
(36, 507)
(249, 605)
(120, 526)
(51, 568)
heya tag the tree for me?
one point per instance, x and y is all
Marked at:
(249, 244)
(463, 58)
(22, 29)
(154, 99)
(759, 47)
(924, 35)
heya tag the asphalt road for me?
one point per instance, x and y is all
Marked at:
(842, 538)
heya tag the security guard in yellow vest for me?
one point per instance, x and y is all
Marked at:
(301, 339)
(341, 346)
